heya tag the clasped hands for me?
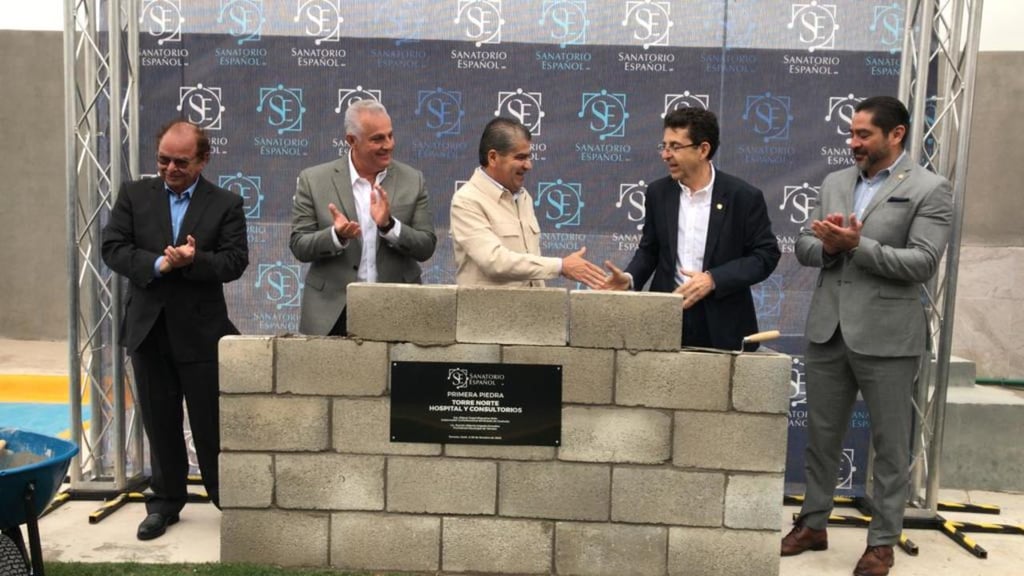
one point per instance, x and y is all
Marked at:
(380, 211)
(178, 256)
(835, 235)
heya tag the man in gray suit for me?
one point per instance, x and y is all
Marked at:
(867, 326)
(361, 218)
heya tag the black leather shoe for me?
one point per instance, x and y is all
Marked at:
(155, 525)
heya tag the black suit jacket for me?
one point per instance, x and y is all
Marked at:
(191, 298)
(741, 251)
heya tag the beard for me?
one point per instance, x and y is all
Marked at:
(868, 160)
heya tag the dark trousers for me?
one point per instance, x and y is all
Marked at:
(340, 327)
(695, 327)
(161, 383)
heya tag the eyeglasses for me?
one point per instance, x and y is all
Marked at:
(167, 161)
(675, 147)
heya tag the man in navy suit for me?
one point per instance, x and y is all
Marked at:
(177, 239)
(706, 236)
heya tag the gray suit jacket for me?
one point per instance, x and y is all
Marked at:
(875, 293)
(332, 269)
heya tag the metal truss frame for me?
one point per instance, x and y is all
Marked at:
(940, 53)
(101, 54)
(101, 124)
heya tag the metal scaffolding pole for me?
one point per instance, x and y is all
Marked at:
(937, 84)
(100, 108)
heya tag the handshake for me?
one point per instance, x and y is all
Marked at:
(575, 267)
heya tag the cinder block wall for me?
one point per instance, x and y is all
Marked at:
(671, 462)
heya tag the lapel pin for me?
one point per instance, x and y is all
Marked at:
(900, 176)
(718, 206)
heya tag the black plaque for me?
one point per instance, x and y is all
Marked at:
(474, 403)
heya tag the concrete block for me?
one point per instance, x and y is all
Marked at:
(330, 482)
(761, 383)
(362, 426)
(504, 546)
(625, 320)
(363, 541)
(405, 352)
(753, 501)
(486, 353)
(723, 552)
(441, 485)
(331, 366)
(730, 441)
(495, 452)
(962, 372)
(982, 448)
(246, 364)
(274, 423)
(274, 537)
(554, 490)
(667, 496)
(246, 480)
(512, 315)
(401, 312)
(587, 373)
(586, 549)
(632, 435)
(678, 380)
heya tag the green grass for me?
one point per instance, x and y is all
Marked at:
(132, 569)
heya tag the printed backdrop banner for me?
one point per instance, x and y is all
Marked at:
(270, 82)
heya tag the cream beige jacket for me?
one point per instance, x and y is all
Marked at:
(497, 239)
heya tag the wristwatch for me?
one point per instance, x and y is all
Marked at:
(387, 227)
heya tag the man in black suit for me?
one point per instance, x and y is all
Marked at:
(177, 239)
(706, 236)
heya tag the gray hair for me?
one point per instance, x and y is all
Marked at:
(357, 108)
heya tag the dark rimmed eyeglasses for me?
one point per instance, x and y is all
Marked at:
(167, 161)
(675, 147)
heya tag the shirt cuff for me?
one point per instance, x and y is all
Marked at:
(339, 243)
(392, 235)
(156, 266)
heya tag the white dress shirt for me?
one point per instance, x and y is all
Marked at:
(694, 215)
(361, 189)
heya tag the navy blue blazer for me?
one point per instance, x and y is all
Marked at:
(741, 251)
(192, 297)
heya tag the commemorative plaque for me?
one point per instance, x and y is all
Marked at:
(475, 403)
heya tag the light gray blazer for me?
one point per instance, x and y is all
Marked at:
(332, 269)
(875, 294)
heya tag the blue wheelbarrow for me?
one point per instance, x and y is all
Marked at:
(25, 491)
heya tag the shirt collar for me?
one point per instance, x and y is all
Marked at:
(187, 194)
(710, 185)
(354, 174)
(501, 187)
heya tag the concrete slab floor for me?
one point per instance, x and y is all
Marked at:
(67, 536)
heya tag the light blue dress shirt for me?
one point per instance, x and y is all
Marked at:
(179, 205)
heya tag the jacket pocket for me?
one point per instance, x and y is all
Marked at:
(505, 229)
(315, 281)
(908, 292)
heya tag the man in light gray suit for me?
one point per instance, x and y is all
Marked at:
(867, 326)
(361, 218)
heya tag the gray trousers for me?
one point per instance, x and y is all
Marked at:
(834, 375)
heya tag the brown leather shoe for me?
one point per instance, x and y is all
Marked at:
(876, 561)
(802, 538)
